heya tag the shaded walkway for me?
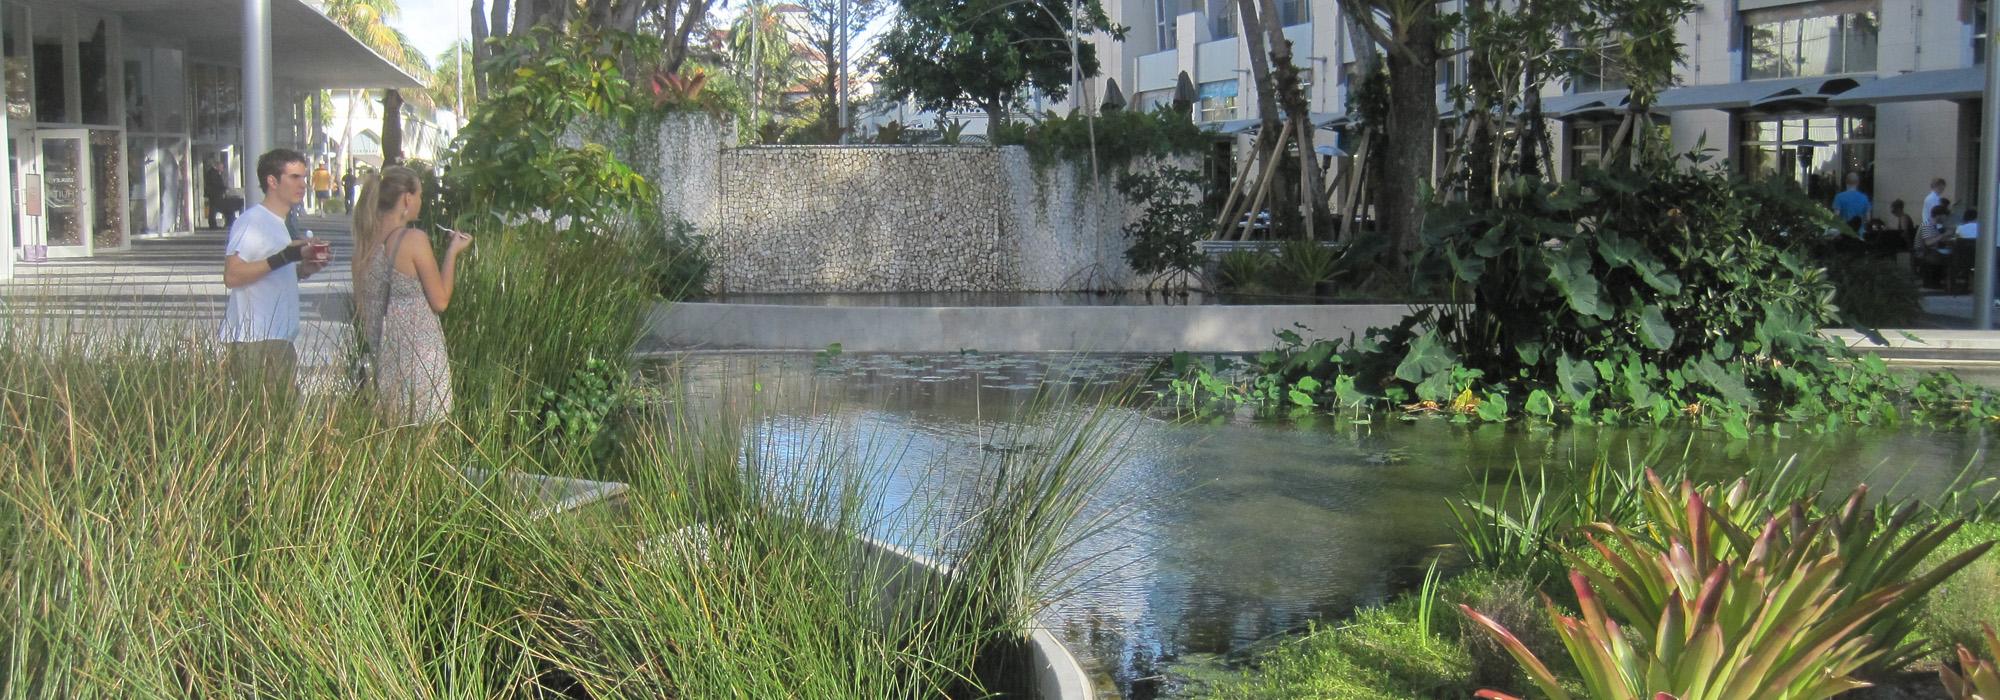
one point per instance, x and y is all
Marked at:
(171, 289)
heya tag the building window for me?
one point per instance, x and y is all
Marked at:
(1820, 39)
(1222, 19)
(1165, 11)
(1979, 20)
(1218, 101)
(94, 61)
(1150, 100)
(20, 70)
(1815, 152)
(1291, 12)
(1595, 69)
(1586, 147)
(52, 42)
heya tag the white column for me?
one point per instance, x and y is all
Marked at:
(256, 91)
(1989, 179)
(7, 214)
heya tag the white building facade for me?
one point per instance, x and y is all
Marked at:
(1807, 90)
(113, 108)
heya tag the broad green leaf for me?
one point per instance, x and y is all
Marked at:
(1574, 377)
(1654, 329)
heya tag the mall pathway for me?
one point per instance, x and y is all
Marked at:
(171, 288)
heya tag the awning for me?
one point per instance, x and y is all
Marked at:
(1584, 104)
(1755, 93)
(1331, 120)
(1954, 84)
(1231, 127)
(308, 50)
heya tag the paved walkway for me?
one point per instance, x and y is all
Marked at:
(171, 289)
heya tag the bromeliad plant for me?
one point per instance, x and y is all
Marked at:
(1797, 610)
(1981, 679)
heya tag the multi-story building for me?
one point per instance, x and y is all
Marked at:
(114, 106)
(1807, 90)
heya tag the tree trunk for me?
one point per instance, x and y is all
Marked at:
(1411, 133)
(479, 50)
(1289, 95)
(392, 127)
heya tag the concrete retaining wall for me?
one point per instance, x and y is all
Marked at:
(1139, 329)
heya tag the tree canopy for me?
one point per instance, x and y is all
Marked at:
(988, 53)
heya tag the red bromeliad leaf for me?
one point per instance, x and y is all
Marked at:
(1538, 672)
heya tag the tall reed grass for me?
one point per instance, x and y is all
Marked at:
(169, 531)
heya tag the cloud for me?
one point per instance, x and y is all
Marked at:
(433, 24)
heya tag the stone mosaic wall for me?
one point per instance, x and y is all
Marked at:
(804, 219)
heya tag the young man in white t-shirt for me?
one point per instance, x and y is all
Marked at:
(262, 268)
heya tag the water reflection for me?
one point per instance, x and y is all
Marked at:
(1232, 531)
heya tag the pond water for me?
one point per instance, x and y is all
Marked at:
(1233, 531)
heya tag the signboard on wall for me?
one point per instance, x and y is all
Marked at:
(31, 194)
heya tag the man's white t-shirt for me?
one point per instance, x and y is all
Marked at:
(267, 309)
(1931, 200)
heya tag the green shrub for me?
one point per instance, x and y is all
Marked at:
(512, 160)
(682, 261)
(1120, 138)
(1646, 295)
(1164, 238)
(1952, 614)
(1245, 271)
(1304, 265)
(1874, 292)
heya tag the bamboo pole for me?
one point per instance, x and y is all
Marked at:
(1237, 185)
(1264, 183)
(1308, 207)
(1364, 153)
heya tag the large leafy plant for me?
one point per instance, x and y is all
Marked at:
(1640, 294)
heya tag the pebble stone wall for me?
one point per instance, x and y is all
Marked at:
(806, 219)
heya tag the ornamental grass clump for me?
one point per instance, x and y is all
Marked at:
(170, 530)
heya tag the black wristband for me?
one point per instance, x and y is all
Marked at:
(289, 255)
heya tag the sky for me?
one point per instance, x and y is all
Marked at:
(434, 24)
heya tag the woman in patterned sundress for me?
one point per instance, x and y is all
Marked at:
(399, 290)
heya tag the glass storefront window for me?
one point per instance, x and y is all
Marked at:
(153, 97)
(19, 74)
(1586, 147)
(1820, 39)
(93, 59)
(51, 47)
(217, 107)
(1815, 152)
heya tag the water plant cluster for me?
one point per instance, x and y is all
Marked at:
(173, 528)
(1660, 292)
(1629, 583)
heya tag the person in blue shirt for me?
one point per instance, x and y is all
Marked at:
(1851, 204)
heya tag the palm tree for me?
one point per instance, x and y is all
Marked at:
(444, 84)
(368, 21)
(761, 47)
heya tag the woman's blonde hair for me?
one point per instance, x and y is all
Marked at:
(379, 194)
